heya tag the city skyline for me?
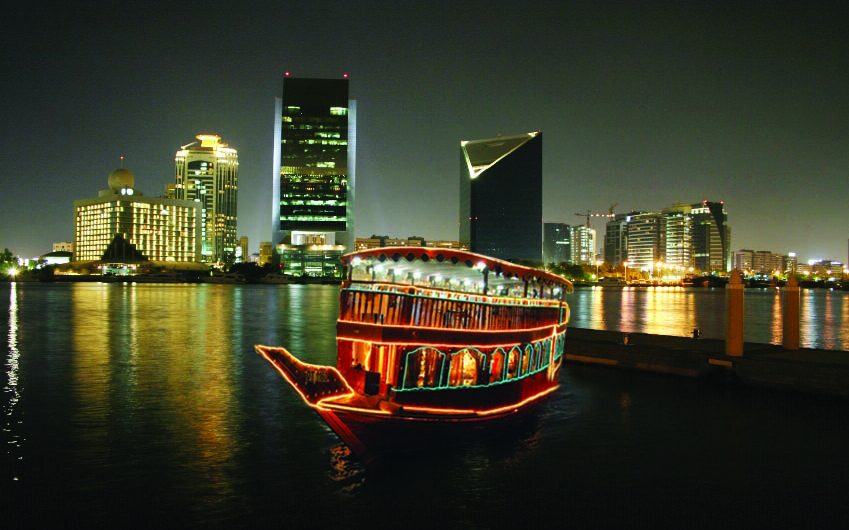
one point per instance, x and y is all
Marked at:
(641, 105)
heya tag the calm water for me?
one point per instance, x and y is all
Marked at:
(129, 405)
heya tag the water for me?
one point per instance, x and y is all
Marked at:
(678, 310)
(145, 405)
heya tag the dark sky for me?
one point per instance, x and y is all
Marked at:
(640, 104)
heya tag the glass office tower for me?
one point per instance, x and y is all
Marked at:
(501, 196)
(314, 161)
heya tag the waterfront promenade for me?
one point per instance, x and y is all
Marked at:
(763, 365)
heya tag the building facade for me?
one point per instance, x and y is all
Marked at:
(161, 229)
(207, 172)
(676, 236)
(243, 253)
(501, 196)
(711, 237)
(582, 245)
(616, 240)
(314, 174)
(643, 248)
(64, 246)
(556, 243)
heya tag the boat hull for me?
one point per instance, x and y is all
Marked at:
(370, 426)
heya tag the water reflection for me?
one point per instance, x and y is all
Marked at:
(678, 310)
(141, 350)
(11, 418)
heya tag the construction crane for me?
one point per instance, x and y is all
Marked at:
(590, 213)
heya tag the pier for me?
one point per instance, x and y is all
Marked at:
(762, 365)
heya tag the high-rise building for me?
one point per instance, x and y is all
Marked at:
(243, 254)
(711, 237)
(556, 243)
(207, 172)
(501, 196)
(676, 236)
(314, 174)
(643, 240)
(744, 259)
(160, 229)
(582, 245)
(616, 240)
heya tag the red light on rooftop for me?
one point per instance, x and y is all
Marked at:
(287, 73)
(345, 75)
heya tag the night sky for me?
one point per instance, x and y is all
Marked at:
(640, 104)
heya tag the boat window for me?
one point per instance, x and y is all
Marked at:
(360, 354)
(423, 368)
(545, 353)
(513, 362)
(465, 367)
(526, 359)
(496, 366)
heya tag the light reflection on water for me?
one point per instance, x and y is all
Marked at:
(147, 404)
(12, 417)
(678, 310)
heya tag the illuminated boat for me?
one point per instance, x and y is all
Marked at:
(432, 339)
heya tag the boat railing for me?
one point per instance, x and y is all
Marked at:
(423, 309)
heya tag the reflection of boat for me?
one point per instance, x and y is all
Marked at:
(433, 340)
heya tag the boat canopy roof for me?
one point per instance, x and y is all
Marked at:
(453, 270)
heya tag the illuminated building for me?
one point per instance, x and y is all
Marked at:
(446, 243)
(161, 229)
(314, 174)
(375, 241)
(242, 253)
(266, 250)
(676, 236)
(57, 257)
(556, 243)
(711, 237)
(63, 246)
(583, 245)
(501, 196)
(643, 240)
(207, 172)
(744, 259)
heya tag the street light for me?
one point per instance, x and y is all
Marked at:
(626, 270)
(597, 264)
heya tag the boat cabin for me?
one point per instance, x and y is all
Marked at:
(414, 320)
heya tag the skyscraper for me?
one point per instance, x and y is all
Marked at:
(556, 243)
(314, 174)
(677, 235)
(616, 240)
(501, 196)
(207, 171)
(643, 240)
(583, 245)
(711, 237)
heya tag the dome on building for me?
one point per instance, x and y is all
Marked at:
(121, 178)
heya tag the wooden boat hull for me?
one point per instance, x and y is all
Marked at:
(371, 425)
